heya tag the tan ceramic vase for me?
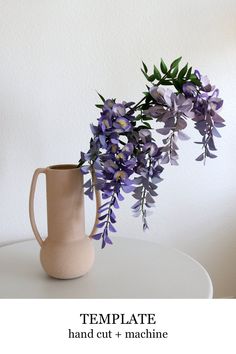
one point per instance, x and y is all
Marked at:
(67, 252)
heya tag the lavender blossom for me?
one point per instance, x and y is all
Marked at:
(205, 104)
(123, 153)
(122, 124)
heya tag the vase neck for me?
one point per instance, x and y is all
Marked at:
(65, 203)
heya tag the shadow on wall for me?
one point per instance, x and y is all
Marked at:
(218, 257)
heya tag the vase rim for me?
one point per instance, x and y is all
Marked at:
(62, 167)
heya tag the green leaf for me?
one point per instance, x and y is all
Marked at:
(102, 98)
(145, 67)
(145, 74)
(189, 73)
(147, 125)
(163, 66)
(139, 117)
(144, 118)
(99, 105)
(166, 82)
(177, 84)
(183, 71)
(175, 63)
(157, 73)
(142, 126)
(174, 72)
(150, 78)
(194, 79)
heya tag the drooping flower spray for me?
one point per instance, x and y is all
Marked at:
(123, 151)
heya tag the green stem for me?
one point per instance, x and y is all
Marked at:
(143, 199)
(109, 210)
(81, 162)
(158, 84)
(145, 191)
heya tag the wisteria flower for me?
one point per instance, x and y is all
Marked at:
(124, 152)
(122, 125)
(119, 110)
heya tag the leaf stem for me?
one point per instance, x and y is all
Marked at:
(158, 84)
(109, 211)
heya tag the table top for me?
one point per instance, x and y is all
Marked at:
(128, 269)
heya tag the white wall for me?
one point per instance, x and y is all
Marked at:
(54, 54)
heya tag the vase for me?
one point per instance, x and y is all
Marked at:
(66, 252)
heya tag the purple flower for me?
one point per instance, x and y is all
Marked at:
(114, 138)
(94, 129)
(189, 89)
(119, 110)
(205, 82)
(110, 166)
(145, 135)
(178, 104)
(122, 125)
(155, 111)
(121, 156)
(120, 175)
(214, 103)
(128, 149)
(130, 164)
(158, 94)
(172, 105)
(151, 149)
(124, 155)
(108, 104)
(105, 121)
(113, 148)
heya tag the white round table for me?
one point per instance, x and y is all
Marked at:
(128, 269)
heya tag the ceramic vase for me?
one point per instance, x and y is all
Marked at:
(67, 252)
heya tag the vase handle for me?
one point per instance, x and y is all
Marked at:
(31, 205)
(98, 204)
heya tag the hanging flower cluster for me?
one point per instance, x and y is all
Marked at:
(123, 151)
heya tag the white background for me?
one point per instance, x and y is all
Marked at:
(54, 55)
(193, 326)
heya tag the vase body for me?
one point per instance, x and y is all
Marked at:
(67, 252)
